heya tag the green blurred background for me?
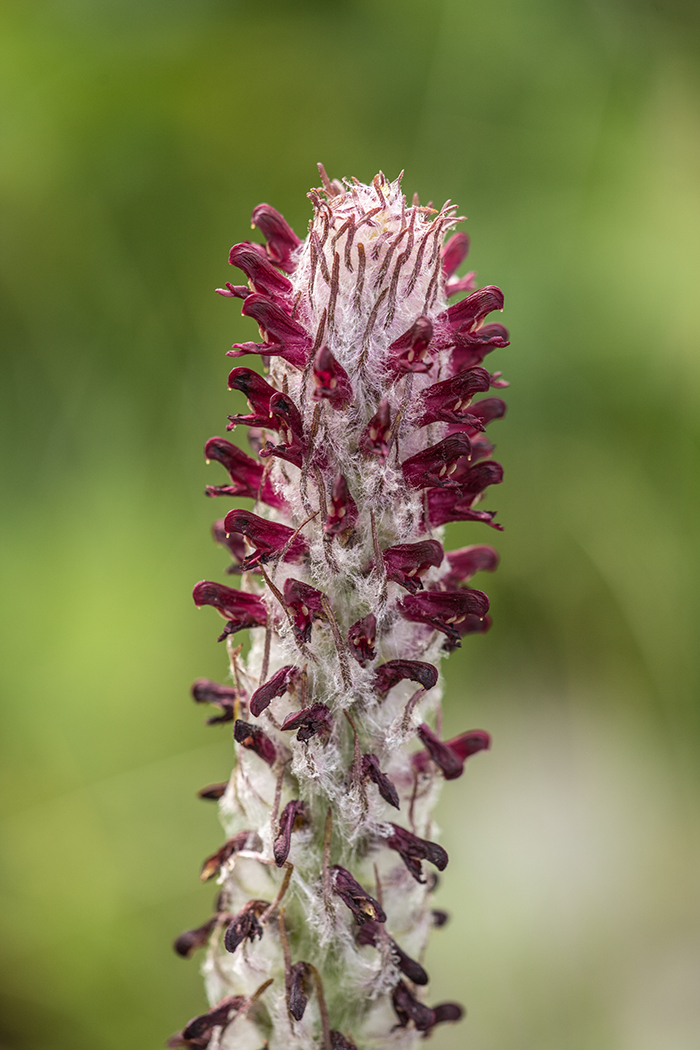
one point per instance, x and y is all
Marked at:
(136, 137)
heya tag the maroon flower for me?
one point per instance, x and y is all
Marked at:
(488, 409)
(435, 465)
(258, 394)
(342, 517)
(234, 544)
(371, 770)
(283, 336)
(213, 791)
(467, 316)
(305, 603)
(273, 687)
(253, 739)
(246, 474)
(363, 907)
(297, 991)
(246, 925)
(450, 400)
(471, 348)
(197, 1033)
(373, 440)
(405, 563)
(282, 241)
(268, 538)
(453, 255)
(331, 379)
(189, 941)
(408, 1008)
(370, 933)
(361, 637)
(449, 755)
(204, 691)
(466, 562)
(440, 918)
(413, 850)
(392, 672)
(295, 815)
(240, 608)
(291, 428)
(242, 840)
(309, 722)
(408, 353)
(444, 610)
(260, 272)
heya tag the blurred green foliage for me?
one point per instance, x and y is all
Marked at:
(137, 135)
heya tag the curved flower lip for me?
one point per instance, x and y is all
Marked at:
(413, 850)
(471, 348)
(265, 279)
(409, 352)
(253, 739)
(205, 691)
(449, 755)
(240, 607)
(189, 941)
(465, 316)
(454, 252)
(306, 604)
(285, 338)
(198, 1031)
(361, 638)
(282, 241)
(444, 610)
(310, 721)
(342, 517)
(297, 989)
(247, 474)
(295, 815)
(473, 478)
(234, 543)
(331, 379)
(246, 925)
(370, 933)
(466, 562)
(448, 401)
(405, 563)
(437, 464)
(363, 907)
(408, 1008)
(268, 538)
(242, 840)
(258, 393)
(488, 409)
(289, 423)
(371, 770)
(272, 688)
(446, 505)
(392, 672)
(373, 442)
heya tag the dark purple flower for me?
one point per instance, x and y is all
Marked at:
(295, 815)
(242, 840)
(363, 907)
(488, 409)
(197, 1033)
(413, 850)
(405, 563)
(291, 429)
(408, 353)
(448, 1012)
(268, 538)
(234, 291)
(213, 791)
(189, 941)
(440, 918)
(260, 272)
(373, 440)
(309, 722)
(466, 562)
(437, 464)
(340, 1042)
(449, 754)
(273, 687)
(253, 739)
(361, 637)
(204, 691)
(444, 610)
(466, 316)
(297, 991)
(246, 925)
(454, 252)
(258, 393)
(471, 348)
(370, 933)
(234, 544)
(281, 239)
(342, 517)
(450, 400)
(392, 672)
(283, 336)
(408, 1008)
(240, 608)
(331, 379)
(246, 474)
(457, 504)
(370, 769)
(305, 603)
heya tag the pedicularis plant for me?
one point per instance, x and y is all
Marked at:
(367, 442)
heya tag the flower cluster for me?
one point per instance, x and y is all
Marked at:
(366, 440)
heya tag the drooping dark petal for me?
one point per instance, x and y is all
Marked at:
(331, 379)
(204, 691)
(448, 1012)
(409, 353)
(246, 925)
(363, 907)
(405, 563)
(471, 348)
(281, 239)
(343, 514)
(439, 917)
(413, 850)
(295, 815)
(259, 271)
(189, 941)
(471, 624)
(408, 1008)
(234, 544)
(310, 721)
(249, 840)
(370, 933)
(474, 478)
(297, 991)
(457, 505)
(246, 474)
(454, 252)
(373, 440)
(340, 1042)
(450, 400)
(253, 739)
(305, 604)
(444, 610)
(392, 672)
(258, 393)
(285, 337)
(466, 562)
(213, 791)
(488, 409)
(443, 756)
(361, 637)
(370, 769)
(462, 747)
(291, 428)
(241, 609)
(197, 1032)
(466, 316)
(435, 465)
(273, 687)
(268, 538)
(456, 285)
